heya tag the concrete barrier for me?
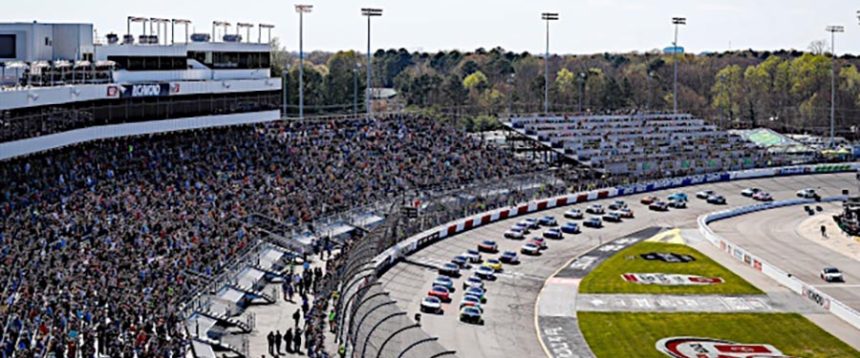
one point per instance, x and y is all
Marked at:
(794, 284)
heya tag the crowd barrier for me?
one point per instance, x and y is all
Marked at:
(784, 278)
(394, 254)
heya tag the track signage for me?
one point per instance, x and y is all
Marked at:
(668, 279)
(695, 347)
(669, 257)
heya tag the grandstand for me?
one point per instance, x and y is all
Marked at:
(642, 143)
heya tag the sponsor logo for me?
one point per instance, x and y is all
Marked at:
(113, 91)
(145, 90)
(175, 88)
(669, 257)
(668, 279)
(696, 347)
(792, 170)
(816, 297)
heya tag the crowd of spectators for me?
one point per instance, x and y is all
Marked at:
(101, 242)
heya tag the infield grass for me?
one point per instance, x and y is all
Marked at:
(606, 277)
(618, 334)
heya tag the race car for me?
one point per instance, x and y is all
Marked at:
(450, 269)
(570, 228)
(593, 222)
(618, 204)
(678, 204)
(471, 301)
(539, 241)
(461, 261)
(530, 249)
(515, 233)
(494, 264)
(509, 257)
(485, 273)
(488, 246)
(444, 281)
(716, 199)
(477, 292)
(648, 199)
(553, 234)
(431, 304)
(807, 193)
(440, 293)
(626, 213)
(612, 217)
(595, 209)
(677, 197)
(532, 223)
(471, 315)
(574, 214)
(659, 206)
(749, 192)
(523, 226)
(704, 194)
(473, 255)
(831, 274)
(762, 196)
(547, 221)
(473, 281)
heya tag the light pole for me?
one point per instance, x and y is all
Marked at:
(369, 12)
(676, 21)
(833, 30)
(582, 78)
(355, 89)
(547, 16)
(302, 9)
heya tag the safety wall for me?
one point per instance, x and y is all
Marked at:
(417, 242)
(784, 278)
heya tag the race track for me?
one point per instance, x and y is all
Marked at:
(509, 329)
(774, 236)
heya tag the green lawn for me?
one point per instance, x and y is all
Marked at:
(635, 334)
(606, 278)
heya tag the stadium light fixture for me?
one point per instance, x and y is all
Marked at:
(369, 13)
(268, 28)
(547, 17)
(173, 31)
(158, 22)
(833, 29)
(676, 21)
(223, 24)
(131, 19)
(301, 10)
(247, 27)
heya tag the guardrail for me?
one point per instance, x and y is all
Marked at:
(784, 278)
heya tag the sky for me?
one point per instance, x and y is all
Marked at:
(585, 26)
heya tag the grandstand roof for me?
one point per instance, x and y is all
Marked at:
(771, 140)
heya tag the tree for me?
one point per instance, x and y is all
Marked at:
(475, 81)
(339, 80)
(818, 47)
(565, 85)
(725, 91)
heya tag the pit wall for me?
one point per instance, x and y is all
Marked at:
(784, 278)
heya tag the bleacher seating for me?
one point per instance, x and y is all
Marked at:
(644, 143)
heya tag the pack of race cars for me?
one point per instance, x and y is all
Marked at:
(593, 217)
(475, 293)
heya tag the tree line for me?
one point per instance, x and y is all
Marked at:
(786, 90)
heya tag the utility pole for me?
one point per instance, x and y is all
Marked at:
(369, 12)
(302, 9)
(676, 21)
(547, 16)
(833, 30)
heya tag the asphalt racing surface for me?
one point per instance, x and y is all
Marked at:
(509, 313)
(773, 235)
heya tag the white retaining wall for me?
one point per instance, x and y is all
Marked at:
(793, 283)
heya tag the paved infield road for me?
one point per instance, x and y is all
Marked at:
(509, 314)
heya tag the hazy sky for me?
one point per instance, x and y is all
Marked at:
(586, 26)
